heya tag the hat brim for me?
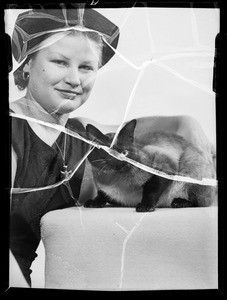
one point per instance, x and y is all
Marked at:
(33, 26)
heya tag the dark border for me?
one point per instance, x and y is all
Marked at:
(219, 86)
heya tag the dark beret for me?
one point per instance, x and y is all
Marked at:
(33, 26)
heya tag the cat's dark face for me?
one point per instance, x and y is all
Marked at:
(102, 160)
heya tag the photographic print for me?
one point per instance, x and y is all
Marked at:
(113, 135)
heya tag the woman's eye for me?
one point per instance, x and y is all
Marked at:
(60, 62)
(86, 67)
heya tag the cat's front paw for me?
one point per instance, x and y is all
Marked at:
(93, 204)
(141, 207)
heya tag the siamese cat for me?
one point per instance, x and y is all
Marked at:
(123, 184)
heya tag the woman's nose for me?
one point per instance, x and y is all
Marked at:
(73, 77)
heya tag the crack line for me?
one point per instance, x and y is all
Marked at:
(125, 230)
(124, 248)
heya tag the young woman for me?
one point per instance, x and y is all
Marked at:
(60, 52)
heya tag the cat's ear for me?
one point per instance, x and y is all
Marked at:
(126, 135)
(94, 134)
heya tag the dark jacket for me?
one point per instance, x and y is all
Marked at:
(40, 165)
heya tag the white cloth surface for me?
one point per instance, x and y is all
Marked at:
(119, 249)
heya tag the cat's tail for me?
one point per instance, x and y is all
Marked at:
(198, 166)
(201, 195)
(198, 195)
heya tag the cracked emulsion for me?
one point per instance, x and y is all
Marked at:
(204, 181)
(128, 235)
(157, 62)
(141, 68)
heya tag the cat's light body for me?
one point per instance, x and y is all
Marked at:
(126, 187)
(122, 194)
(129, 197)
(123, 183)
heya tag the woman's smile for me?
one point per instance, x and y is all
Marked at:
(62, 75)
(68, 94)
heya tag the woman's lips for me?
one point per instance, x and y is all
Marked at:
(68, 94)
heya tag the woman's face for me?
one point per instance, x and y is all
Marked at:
(62, 75)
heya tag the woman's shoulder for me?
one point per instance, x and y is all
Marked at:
(17, 124)
(19, 135)
(18, 106)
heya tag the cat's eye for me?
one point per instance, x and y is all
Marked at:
(124, 152)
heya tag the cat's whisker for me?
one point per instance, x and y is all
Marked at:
(103, 168)
(99, 160)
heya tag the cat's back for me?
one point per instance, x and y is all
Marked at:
(166, 144)
(161, 138)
